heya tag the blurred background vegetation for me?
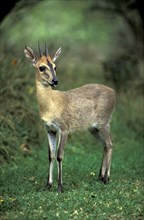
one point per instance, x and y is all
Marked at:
(102, 42)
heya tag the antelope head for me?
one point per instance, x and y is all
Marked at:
(44, 64)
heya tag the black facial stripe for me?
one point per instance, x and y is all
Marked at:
(51, 68)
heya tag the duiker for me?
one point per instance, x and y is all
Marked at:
(89, 107)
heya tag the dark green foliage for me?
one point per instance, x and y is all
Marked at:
(17, 119)
(121, 71)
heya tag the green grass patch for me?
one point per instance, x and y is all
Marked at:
(23, 195)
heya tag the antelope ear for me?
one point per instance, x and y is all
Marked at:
(30, 54)
(57, 54)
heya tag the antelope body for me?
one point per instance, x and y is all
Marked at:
(89, 107)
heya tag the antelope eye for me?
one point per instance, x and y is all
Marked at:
(42, 68)
(55, 68)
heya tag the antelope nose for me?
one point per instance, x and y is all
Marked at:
(55, 81)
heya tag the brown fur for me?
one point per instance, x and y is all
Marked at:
(77, 109)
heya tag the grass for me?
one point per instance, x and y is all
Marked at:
(22, 184)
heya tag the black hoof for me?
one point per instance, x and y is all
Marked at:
(104, 179)
(48, 186)
(60, 189)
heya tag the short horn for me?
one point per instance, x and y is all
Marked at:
(40, 52)
(46, 50)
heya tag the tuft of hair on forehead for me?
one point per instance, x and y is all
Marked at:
(49, 59)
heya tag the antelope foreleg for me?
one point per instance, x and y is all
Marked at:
(52, 141)
(60, 153)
